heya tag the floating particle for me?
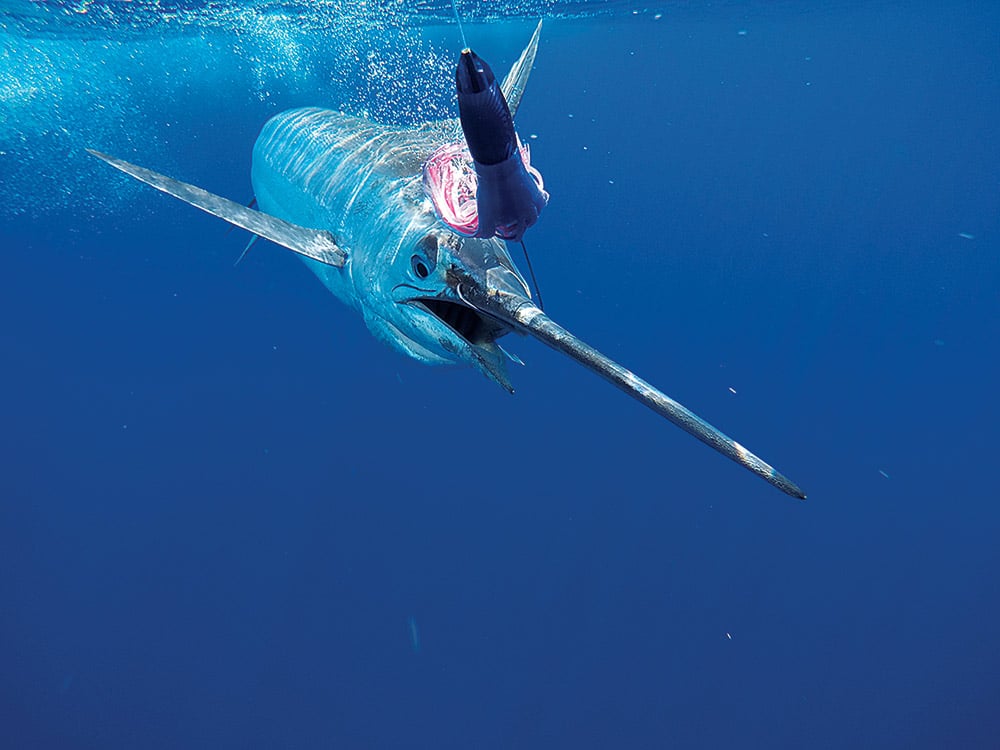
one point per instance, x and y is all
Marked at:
(966, 236)
(414, 635)
(938, 342)
(732, 390)
(730, 637)
(658, 16)
(883, 473)
(742, 32)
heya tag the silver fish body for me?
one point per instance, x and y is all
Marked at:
(346, 194)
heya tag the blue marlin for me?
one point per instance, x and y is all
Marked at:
(346, 194)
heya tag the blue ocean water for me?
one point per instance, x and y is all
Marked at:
(230, 518)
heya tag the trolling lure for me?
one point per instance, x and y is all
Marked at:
(486, 186)
(451, 182)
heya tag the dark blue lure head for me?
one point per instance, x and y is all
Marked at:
(508, 198)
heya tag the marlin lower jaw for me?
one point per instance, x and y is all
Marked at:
(468, 335)
(466, 321)
(521, 314)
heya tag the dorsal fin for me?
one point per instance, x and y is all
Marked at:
(513, 85)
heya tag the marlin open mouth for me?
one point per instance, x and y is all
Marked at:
(464, 320)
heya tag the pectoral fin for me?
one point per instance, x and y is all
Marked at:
(317, 244)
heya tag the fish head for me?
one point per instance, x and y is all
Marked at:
(426, 313)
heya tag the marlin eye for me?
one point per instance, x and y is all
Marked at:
(421, 266)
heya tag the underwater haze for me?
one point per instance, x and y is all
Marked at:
(231, 518)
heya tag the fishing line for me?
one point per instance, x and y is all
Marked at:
(534, 281)
(461, 29)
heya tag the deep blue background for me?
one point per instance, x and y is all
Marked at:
(221, 501)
